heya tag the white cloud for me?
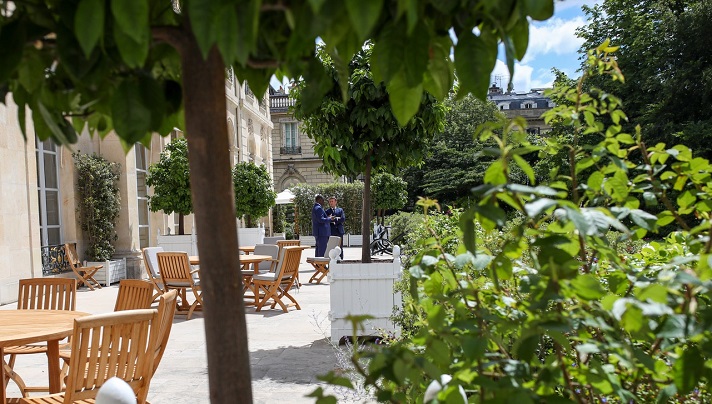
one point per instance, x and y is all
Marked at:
(522, 81)
(553, 37)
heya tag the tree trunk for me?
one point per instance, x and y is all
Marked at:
(366, 213)
(181, 225)
(212, 189)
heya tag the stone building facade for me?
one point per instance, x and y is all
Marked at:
(294, 159)
(529, 106)
(38, 199)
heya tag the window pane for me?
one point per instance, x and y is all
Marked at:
(53, 236)
(141, 184)
(48, 145)
(50, 166)
(52, 208)
(142, 212)
(140, 156)
(143, 236)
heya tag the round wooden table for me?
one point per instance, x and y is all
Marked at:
(21, 327)
(247, 249)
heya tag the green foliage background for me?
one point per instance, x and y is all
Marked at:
(99, 203)
(350, 198)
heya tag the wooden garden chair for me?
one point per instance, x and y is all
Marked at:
(321, 264)
(133, 294)
(176, 273)
(38, 294)
(118, 344)
(85, 275)
(263, 267)
(150, 262)
(276, 285)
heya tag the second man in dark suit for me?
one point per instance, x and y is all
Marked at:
(338, 217)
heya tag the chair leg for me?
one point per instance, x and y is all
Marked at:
(270, 292)
(10, 374)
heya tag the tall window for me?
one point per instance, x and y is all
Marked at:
(48, 192)
(142, 193)
(290, 135)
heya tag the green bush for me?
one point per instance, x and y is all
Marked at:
(169, 178)
(279, 216)
(350, 198)
(567, 303)
(99, 203)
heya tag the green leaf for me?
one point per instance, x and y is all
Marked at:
(643, 219)
(131, 19)
(364, 14)
(388, 54)
(688, 369)
(61, 130)
(524, 165)
(492, 213)
(666, 394)
(202, 18)
(405, 101)
(587, 287)
(31, 71)
(520, 37)
(416, 55)
(495, 174)
(228, 35)
(650, 198)
(439, 75)
(474, 61)
(316, 5)
(539, 9)
(538, 206)
(89, 24)
(133, 53)
(12, 40)
(132, 119)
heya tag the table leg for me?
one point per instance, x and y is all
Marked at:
(3, 397)
(55, 384)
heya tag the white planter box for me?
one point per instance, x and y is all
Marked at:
(112, 270)
(360, 289)
(186, 243)
(354, 240)
(250, 236)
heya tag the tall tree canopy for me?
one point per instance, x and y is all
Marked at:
(144, 66)
(453, 154)
(254, 195)
(363, 134)
(667, 61)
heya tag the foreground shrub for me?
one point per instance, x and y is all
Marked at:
(556, 307)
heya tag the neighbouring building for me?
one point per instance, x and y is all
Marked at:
(38, 198)
(293, 154)
(529, 106)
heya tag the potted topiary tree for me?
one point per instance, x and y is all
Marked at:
(356, 132)
(99, 205)
(170, 181)
(254, 197)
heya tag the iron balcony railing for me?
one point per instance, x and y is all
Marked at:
(290, 150)
(54, 260)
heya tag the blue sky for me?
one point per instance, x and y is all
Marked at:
(552, 43)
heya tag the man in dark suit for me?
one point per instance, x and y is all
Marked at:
(320, 226)
(338, 217)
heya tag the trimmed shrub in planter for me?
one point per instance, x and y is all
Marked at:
(99, 203)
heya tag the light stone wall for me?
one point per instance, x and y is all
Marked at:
(19, 222)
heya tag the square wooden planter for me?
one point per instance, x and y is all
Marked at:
(363, 289)
(112, 271)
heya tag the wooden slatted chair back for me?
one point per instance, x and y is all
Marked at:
(174, 268)
(150, 263)
(292, 257)
(47, 294)
(134, 294)
(107, 345)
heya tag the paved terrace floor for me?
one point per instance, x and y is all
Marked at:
(287, 350)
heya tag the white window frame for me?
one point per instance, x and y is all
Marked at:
(139, 148)
(294, 133)
(42, 189)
